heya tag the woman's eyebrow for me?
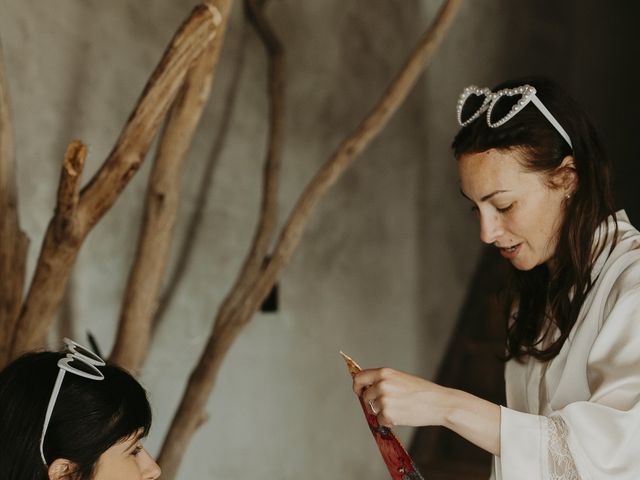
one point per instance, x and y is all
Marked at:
(486, 197)
(132, 446)
(134, 442)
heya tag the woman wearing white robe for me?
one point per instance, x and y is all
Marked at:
(530, 163)
(578, 415)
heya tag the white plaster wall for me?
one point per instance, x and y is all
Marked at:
(283, 407)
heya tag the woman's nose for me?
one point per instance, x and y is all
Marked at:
(490, 229)
(151, 469)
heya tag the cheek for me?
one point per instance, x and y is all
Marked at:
(121, 469)
(535, 223)
(547, 220)
(554, 216)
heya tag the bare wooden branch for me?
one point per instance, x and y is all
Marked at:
(161, 204)
(233, 316)
(268, 214)
(190, 40)
(346, 153)
(191, 409)
(13, 241)
(58, 253)
(192, 230)
(67, 203)
(69, 186)
(63, 236)
(67, 316)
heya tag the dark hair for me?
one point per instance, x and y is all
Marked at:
(540, 295)
(89, 416)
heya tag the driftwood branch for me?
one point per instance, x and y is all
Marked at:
(67, 203)
(234, 315)
(13, 241)
(69, 185)
(267, 218)
(346, 153)
(66, 318)
(63, 235)
(62, 244)
(191, 408)
(161, 204)
(192, 231)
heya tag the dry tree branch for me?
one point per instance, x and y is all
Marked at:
(346, 153)
(13, 241)
(64, 233)
(191, 410)
(61, 243)
(230, 321)
(268, 214)
(69, 186)
(161, 204)
(65, 327)
(192, 230)
(189, 42)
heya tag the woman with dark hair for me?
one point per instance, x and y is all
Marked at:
(70, 416)
(531, 164)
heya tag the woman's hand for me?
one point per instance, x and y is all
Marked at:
(398, 398)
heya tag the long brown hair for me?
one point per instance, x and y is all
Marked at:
(542, 298)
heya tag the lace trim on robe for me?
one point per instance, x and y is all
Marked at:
(561, 464)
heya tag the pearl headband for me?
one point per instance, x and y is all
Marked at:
(489, 100)
(80, 361)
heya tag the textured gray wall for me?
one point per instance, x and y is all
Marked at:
(384, 263)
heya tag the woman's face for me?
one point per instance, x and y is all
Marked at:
(126, 460)
(518, 212)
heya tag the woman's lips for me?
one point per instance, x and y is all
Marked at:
(510, 252)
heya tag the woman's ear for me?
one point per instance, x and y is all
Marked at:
(62, 469)
(566, 176)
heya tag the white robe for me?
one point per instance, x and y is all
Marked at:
(578, 416)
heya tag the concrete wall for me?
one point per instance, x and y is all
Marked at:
(384, 263)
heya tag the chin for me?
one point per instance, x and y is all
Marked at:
(523, 266)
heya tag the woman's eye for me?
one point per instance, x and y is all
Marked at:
(505, 209)
(136, 451)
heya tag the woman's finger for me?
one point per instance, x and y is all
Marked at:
(367, 378)
(364, 379)
(370, 393)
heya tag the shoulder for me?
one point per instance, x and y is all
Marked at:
(618, 274)
(622, 266)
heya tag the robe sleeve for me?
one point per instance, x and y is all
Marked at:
(594, 439)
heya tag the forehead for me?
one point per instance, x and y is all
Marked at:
(483, 172)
